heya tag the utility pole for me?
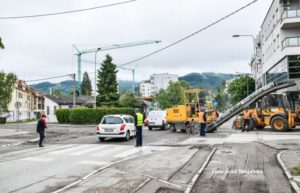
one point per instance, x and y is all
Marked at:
(74, 89)
(97, 50)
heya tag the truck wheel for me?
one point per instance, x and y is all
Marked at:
(163, 127)
(183, 130)
(279, 124)
(173, 128)
(150, 128)
(260, 127)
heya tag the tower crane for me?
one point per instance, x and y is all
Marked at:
(124, 68)
(112, 47)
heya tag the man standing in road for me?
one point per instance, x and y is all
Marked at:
(247, 117)
(202, 119)
(40, 128)
(138, 123)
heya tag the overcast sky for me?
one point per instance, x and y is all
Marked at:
(42, 47)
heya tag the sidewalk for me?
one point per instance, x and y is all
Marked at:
(11, 137)
(288, 160)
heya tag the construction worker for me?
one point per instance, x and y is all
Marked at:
(138, 122)
(202, 119)
(247, 117)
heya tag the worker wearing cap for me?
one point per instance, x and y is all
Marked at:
(138, 122)
(247, 117)
(202, 119)
(41, 126)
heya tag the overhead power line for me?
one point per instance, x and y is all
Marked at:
(36, 80)
(191, 35)
(67, 12)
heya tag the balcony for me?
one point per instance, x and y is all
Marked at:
(291, 42)
(290, 19)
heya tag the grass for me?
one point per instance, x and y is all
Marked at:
(297, 171)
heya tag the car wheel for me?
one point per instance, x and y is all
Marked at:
(102, 139)
(127, 136)
(150, 128)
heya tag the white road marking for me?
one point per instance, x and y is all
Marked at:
(36, 159)
(69, 149)
(98, 163)
(111, 150)
(90, 149)
(128, 152)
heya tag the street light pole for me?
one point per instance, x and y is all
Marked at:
(97, 50)
(253, 39)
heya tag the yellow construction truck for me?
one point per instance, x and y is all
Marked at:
(280, 111)
(185, 117)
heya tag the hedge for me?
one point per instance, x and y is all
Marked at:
(87, 115)
(2, 120)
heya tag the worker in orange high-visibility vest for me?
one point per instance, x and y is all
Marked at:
(247, 117)
(202, 119)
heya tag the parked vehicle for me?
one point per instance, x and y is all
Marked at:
(116, 126)
(157, 119)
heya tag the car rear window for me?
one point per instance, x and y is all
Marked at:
(112, 120)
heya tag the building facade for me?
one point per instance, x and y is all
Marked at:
(27, 103)
(156, 83)
(277, 45)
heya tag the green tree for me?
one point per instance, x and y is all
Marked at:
(107, 86)
(128, 99)
(7, 82)
(86, 86)
(1, 44)
(239, 87)
(173, 95)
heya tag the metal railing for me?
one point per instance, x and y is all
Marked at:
(291, 42)
(290, 14)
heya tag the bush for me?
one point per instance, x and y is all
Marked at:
(63, 115)
(88, 116)
(2, 120)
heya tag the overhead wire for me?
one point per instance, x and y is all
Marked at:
(66, 12)
(55, 77)
(190, 35)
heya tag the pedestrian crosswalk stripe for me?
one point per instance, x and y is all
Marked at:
(128, 152)
(111, 150)
(91, 149)
(68, 149)
(36, 159)
(98, 163)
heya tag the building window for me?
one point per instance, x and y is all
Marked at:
(48, 110)
(278, 73)
(294, 67)
(20, 95)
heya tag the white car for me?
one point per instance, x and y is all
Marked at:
(157, 119)
(116, 126)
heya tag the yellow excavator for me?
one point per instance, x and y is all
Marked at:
(185, 117)
(280, 111)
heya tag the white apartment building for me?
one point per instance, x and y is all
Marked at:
(161, 81)
(156, 83)
(146, 89)
(277, 45)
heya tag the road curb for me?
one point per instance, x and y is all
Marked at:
(287, 173)
(200, 171)
(276, 147)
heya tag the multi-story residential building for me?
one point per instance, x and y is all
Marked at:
(26, 103)
(146, 89)
(161, 81)
(156, 83)
(277, 45)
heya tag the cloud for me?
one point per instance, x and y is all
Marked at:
(42, 47)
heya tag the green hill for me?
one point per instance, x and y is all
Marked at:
(206, 79)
